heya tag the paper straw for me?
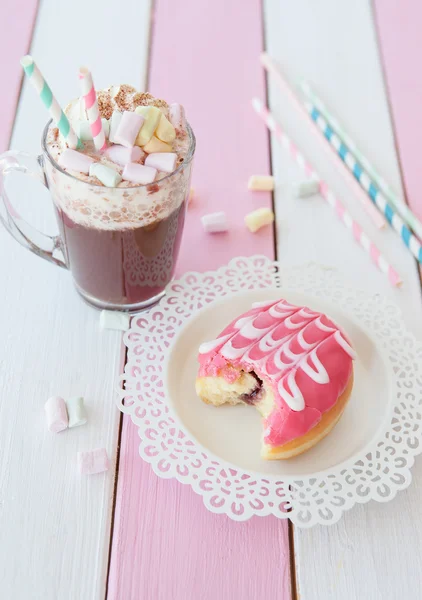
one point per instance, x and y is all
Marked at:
(359, 235)
(283, 84)
(377, 181)
(35, 77)
(91, 106)
(377, 197)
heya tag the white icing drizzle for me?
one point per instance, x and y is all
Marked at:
(342, 342)
(318, 373)
(294, 399)
(213, 344)
(242, 322)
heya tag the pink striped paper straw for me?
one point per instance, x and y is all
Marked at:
(359, 235)
(283, 84)
(91, 105)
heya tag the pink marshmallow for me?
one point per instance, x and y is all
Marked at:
(139, 173)
(162, 161)
(75, 161)
(177, 116)
(128, 129)
(215, 222)
(93, 461)
(123, 156)
(55, 410)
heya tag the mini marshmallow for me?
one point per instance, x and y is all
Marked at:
(152, 116)
(122, 155)
(76, 411)
(177, 116)
(111, 319)
(156, 145)
(75, 161)
(261, 183)
(57, 419)
(214, 222)
(139, 173)
(128, 129)
(84, 132)
(162, 161)
(258, 218)
(108, 177)
(93, 461)
(115, 119)
(306, 189)
(165, 130)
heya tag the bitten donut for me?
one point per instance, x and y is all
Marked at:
(293, 364)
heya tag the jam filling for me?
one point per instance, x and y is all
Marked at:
(256, 394)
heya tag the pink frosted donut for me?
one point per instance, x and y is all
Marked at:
(293, 364)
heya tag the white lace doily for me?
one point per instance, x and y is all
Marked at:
(378, 474)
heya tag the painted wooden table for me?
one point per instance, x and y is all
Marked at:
(128, 535)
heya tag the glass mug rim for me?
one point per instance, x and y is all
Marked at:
(187, 160)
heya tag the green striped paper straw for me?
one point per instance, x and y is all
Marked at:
(35, 77)
(377, 180)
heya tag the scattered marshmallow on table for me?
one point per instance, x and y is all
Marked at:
(261, 183)
(93, 461)
(215, 222)
(122, 155)
(177, 116)
(165, 130)
(152, 116)
(76, 411)
(128, 128)
(115, 119)
(84, 132)
(162, 161)
(156, 145)
(258, 218)
(57, 419)
(306, 189)
(108, 177)
(139, 173)
(75, 161)
(113, 319)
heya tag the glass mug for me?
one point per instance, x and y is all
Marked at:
(120, 244)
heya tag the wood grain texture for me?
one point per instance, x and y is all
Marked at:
(16, 24)
(399, 25)
(372, 553)
(165, 543)
(55, 524)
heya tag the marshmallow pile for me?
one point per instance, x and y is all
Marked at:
(145, 134)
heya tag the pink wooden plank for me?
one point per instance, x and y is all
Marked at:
(399, 28)
(165, 543)
(16, 24)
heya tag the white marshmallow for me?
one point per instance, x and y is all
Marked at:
(162, 161)
(75, 161)
(306, 189)
(55, 410)
(177, 116)
(93, 461)
(111, 319)
(76, 411)
(108, 177)
(139, 173)
(116, 117)
(122, 155)
(261, 183)
(258, 218)
(215, 222)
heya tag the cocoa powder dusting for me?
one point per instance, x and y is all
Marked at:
(105, 105)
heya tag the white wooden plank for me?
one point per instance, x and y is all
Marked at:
(54, 524)
(373, 551)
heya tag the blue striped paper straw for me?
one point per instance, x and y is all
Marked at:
(35, 77)
(377, 197)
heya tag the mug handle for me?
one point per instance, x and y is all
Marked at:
(37, 242)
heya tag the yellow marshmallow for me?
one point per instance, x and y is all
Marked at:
(156, 145)
(165, 130)
(258, 218)
(152, 116)
(261, 183)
